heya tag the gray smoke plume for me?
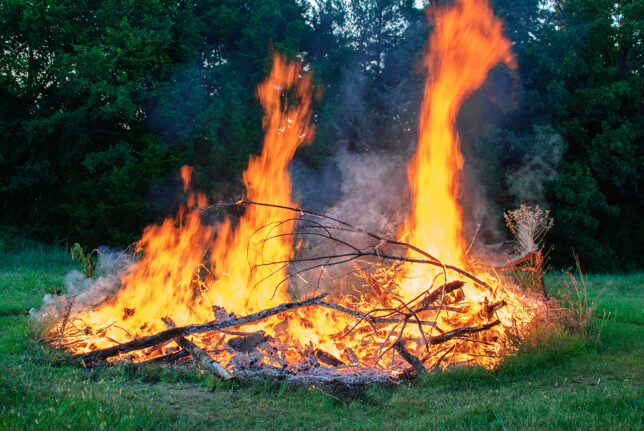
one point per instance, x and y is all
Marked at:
(89, 292)
(539, 165)
(374, 187)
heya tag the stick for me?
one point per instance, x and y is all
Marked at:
(538, 263)
(203, 358)
(169, 334)
(199, 355)
(413, 360)
(511, 266)
(438, 339)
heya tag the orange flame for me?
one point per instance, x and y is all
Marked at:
(467, 41)
(267, 180)
(166, 282)
(188, 268)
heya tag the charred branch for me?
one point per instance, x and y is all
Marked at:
(169, 334)
(438, 339)
(407, 356)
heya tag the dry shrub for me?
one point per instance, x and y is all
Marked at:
(528, 225)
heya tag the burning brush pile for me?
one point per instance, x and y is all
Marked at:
(272, 289)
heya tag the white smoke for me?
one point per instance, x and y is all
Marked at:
(374, 191)
(87, 292)
(526, 183)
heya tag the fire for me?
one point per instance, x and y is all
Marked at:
(267, 180)
(467, 41)
(190, 269)
(166, 282)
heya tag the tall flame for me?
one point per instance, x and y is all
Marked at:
(467, 41)
(267, 180)
(165, 282)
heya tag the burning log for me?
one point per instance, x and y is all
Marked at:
(327, 358)
(436, 294)
(199, 355)
(407, 356)
(248, 343)
(169, 334)
(202, 357)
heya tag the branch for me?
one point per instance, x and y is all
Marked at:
(438, 339)
(413, 360)
(512, 265)
(203, 358)
(169, 334)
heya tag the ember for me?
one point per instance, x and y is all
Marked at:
(391, 306)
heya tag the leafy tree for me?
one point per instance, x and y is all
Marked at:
(102, 100)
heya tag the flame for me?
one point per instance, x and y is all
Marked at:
(190, 268)
(166, 281)
(267, 180)
(467, 41)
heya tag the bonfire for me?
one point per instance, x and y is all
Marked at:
(273, 289)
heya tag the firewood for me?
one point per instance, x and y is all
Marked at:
(327, 358)
(199, 355)
(247, 343)
(202, 357)
(407, 356)
(160, 337)
(438, 339)
(436, 294)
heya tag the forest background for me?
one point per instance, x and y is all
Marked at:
(102, 101)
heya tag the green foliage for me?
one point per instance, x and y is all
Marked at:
(87, 261)
(101, 102)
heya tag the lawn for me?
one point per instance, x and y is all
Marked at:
(560, 380)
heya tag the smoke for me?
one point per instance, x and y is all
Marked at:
(374, 191)
(539, 165)
(87, 292)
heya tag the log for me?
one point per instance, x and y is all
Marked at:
(199, 355)
(327, 358)
(436, 294)
(169, 334)
(438, 339)
(407, 356)
(202, 357)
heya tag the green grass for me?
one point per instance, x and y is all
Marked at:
(558, 380)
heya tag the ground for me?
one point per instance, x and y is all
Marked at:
(561, 379)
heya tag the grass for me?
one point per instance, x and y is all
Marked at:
(559, 379)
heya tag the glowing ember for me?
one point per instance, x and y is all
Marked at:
(193, 273)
